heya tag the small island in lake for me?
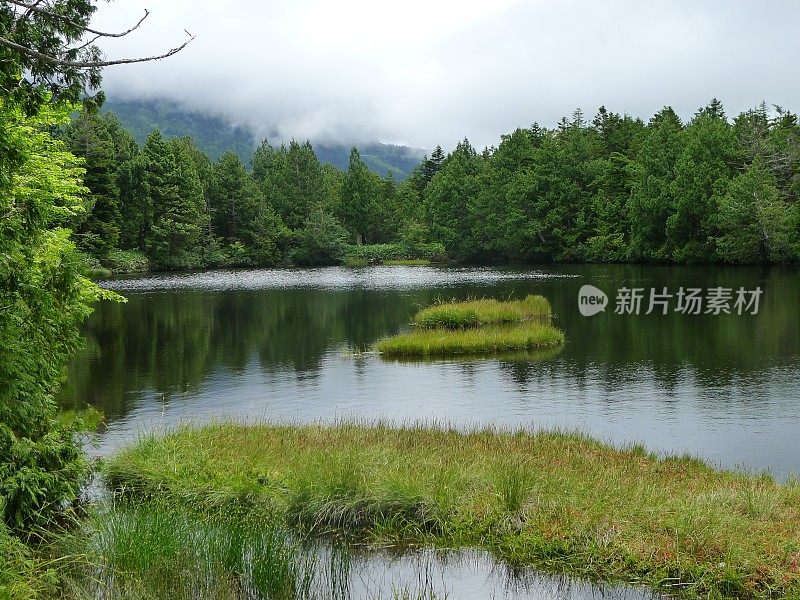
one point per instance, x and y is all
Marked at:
(480, 326)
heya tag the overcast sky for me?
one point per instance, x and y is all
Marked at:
(422, 72)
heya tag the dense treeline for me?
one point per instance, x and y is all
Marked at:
(169, 201)
(611, 190)
(616, 189)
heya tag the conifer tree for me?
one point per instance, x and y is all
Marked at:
(97, 232)
(177, 212)
(359, 199)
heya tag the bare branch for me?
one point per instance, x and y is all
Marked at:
(35, 8)
(88, 64)
(87, 44)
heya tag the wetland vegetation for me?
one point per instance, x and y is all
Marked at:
(557, 501)
(479, 326)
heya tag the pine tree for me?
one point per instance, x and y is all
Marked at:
(178, 215)
(431, 166)
(449, 200)
(88, 137)
(652, 198)
(233, 197)
(704, 167)
(756, 225)
(360, 202)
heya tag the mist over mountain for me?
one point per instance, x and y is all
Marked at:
(214, 136)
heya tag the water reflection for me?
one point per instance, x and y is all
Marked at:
(466, 575)
(280, 344)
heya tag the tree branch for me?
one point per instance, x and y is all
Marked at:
(35, 8)
(88, 64)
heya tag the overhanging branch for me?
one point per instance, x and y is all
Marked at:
(36, 8)
(89, 64)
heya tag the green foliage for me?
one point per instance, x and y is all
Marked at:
(20, 577)
(31, 82)
(702, 169)
(178, 210)
(292, 179)
(89, 138)
(321, 241)
(380, 253)
(449, 198)
(232, 198)
(44, 298)
(361, 210)
(609, 190)
(754, 221)
(128, 261)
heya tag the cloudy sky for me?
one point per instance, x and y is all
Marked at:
(422, 72)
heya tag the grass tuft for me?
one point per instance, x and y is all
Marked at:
(441, 342)
(163, 550)
(479, 312)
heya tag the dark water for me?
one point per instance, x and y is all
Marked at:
(289, 345)
(280, 345)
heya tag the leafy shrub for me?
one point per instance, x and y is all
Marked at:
(127, 261)
(322, 241)
(380, 253)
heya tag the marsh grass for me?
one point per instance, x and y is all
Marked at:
(482, 311)
(163, 550)
(530, 335)
(559, 502)
(355, 263)
(22, 575)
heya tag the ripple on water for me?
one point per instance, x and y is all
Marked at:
(394, 277)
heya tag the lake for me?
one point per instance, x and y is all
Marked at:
(288, 345)
(294, 345)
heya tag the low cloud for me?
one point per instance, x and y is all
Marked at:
(432, 72)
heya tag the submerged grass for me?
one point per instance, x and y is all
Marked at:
(443, 342)
(484, 311)
(556, 501)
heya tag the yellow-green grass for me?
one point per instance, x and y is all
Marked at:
(530, 335)
(355, 263)
(556, 501)
(412, 262)
(483, 311)
(23, 576)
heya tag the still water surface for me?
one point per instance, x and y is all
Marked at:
(280, 345)
(288, 345)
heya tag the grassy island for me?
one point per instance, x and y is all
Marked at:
(483, 340)
(478, 326)
(559, 502)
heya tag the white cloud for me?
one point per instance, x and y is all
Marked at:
(424, 72)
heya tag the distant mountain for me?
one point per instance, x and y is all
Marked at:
(214, 137)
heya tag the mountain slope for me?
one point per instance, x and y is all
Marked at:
(214, 136)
